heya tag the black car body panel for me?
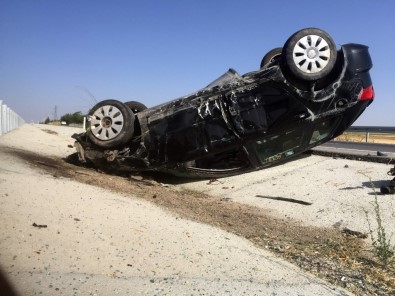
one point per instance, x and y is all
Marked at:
(243, 123)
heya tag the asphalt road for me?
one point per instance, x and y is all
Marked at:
(358, 148)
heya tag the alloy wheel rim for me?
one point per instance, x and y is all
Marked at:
(311, 54)
(107, 122)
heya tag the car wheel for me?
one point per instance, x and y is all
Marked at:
(136, 107)
(309, 54)
(271, 56)
(112, 124)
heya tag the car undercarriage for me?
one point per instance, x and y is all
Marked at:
(303, 95)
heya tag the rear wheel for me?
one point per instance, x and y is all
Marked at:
(271, 56)
(112, 124)
(309, 54)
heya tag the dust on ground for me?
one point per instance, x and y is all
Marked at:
(340, 256)
(51, 132)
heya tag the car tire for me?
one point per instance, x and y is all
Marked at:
(111, 124)
(309, 54)
(136, 107)
(271, 56)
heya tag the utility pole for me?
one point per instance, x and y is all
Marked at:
(55, 113)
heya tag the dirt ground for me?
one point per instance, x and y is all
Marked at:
(340, 256)
(61, 235)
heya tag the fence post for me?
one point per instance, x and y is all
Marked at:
(367, 136)
(11, 120)
(4, 121)
(7, 124)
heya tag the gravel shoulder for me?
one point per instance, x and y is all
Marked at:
(321, 191)
(61, 235)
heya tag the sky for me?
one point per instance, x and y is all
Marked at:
(64, 56)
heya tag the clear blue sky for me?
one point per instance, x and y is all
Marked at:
(54, 53)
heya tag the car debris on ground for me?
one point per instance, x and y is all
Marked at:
(390, 187)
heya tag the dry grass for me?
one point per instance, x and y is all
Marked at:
(373, 138)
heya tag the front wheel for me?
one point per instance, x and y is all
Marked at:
(112, 124)
(309, 54)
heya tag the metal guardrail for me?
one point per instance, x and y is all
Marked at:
(371, 129)
(9, 120)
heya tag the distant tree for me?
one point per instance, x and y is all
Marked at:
(75, 117)
(47, 120)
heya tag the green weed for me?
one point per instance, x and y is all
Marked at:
(382, 245)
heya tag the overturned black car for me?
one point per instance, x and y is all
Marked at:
(303, 95)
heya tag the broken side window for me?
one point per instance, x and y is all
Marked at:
(323, 129)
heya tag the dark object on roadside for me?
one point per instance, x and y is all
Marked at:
(303, 95)
(358, 234)
(39, 226)
(301, 202)
(390, 188)
(379, 153)
(6, 287)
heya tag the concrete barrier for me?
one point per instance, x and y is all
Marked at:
(9, 120)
